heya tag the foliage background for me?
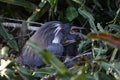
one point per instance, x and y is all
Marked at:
(93, 15)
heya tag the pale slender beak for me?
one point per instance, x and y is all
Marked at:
(75, 27)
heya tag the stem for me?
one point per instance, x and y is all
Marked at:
(114, 54)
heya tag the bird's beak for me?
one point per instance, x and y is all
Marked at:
(75, 27)
(77, 31)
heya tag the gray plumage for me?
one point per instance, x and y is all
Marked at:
(56, 48)
(44, 37)
(51, 36)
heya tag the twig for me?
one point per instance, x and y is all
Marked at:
(80, 55)
(19, 20)
(18, 25)
(70, 62)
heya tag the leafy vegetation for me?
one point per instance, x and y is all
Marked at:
(99, 56)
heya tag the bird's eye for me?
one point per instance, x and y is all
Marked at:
(75, 30)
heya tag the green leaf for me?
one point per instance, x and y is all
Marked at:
(9, 38)
(117, 16)
(88, 16)
(92, 24)
(100, 27)
(117, 68)
(44, 71)
(85, 14)
(104, 76)
(98, 4)
(114, 26)
(83, 45)
(23, 3)
(100, 50)
(71, 13)
(81, 75)
(9, 74)
(96, 76)
(38, 14)
(113, 68)
(24, 70)
(52, 2)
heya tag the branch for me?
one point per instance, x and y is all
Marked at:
(70, 62)
(18, 25)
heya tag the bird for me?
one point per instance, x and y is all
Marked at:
(51, 36)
